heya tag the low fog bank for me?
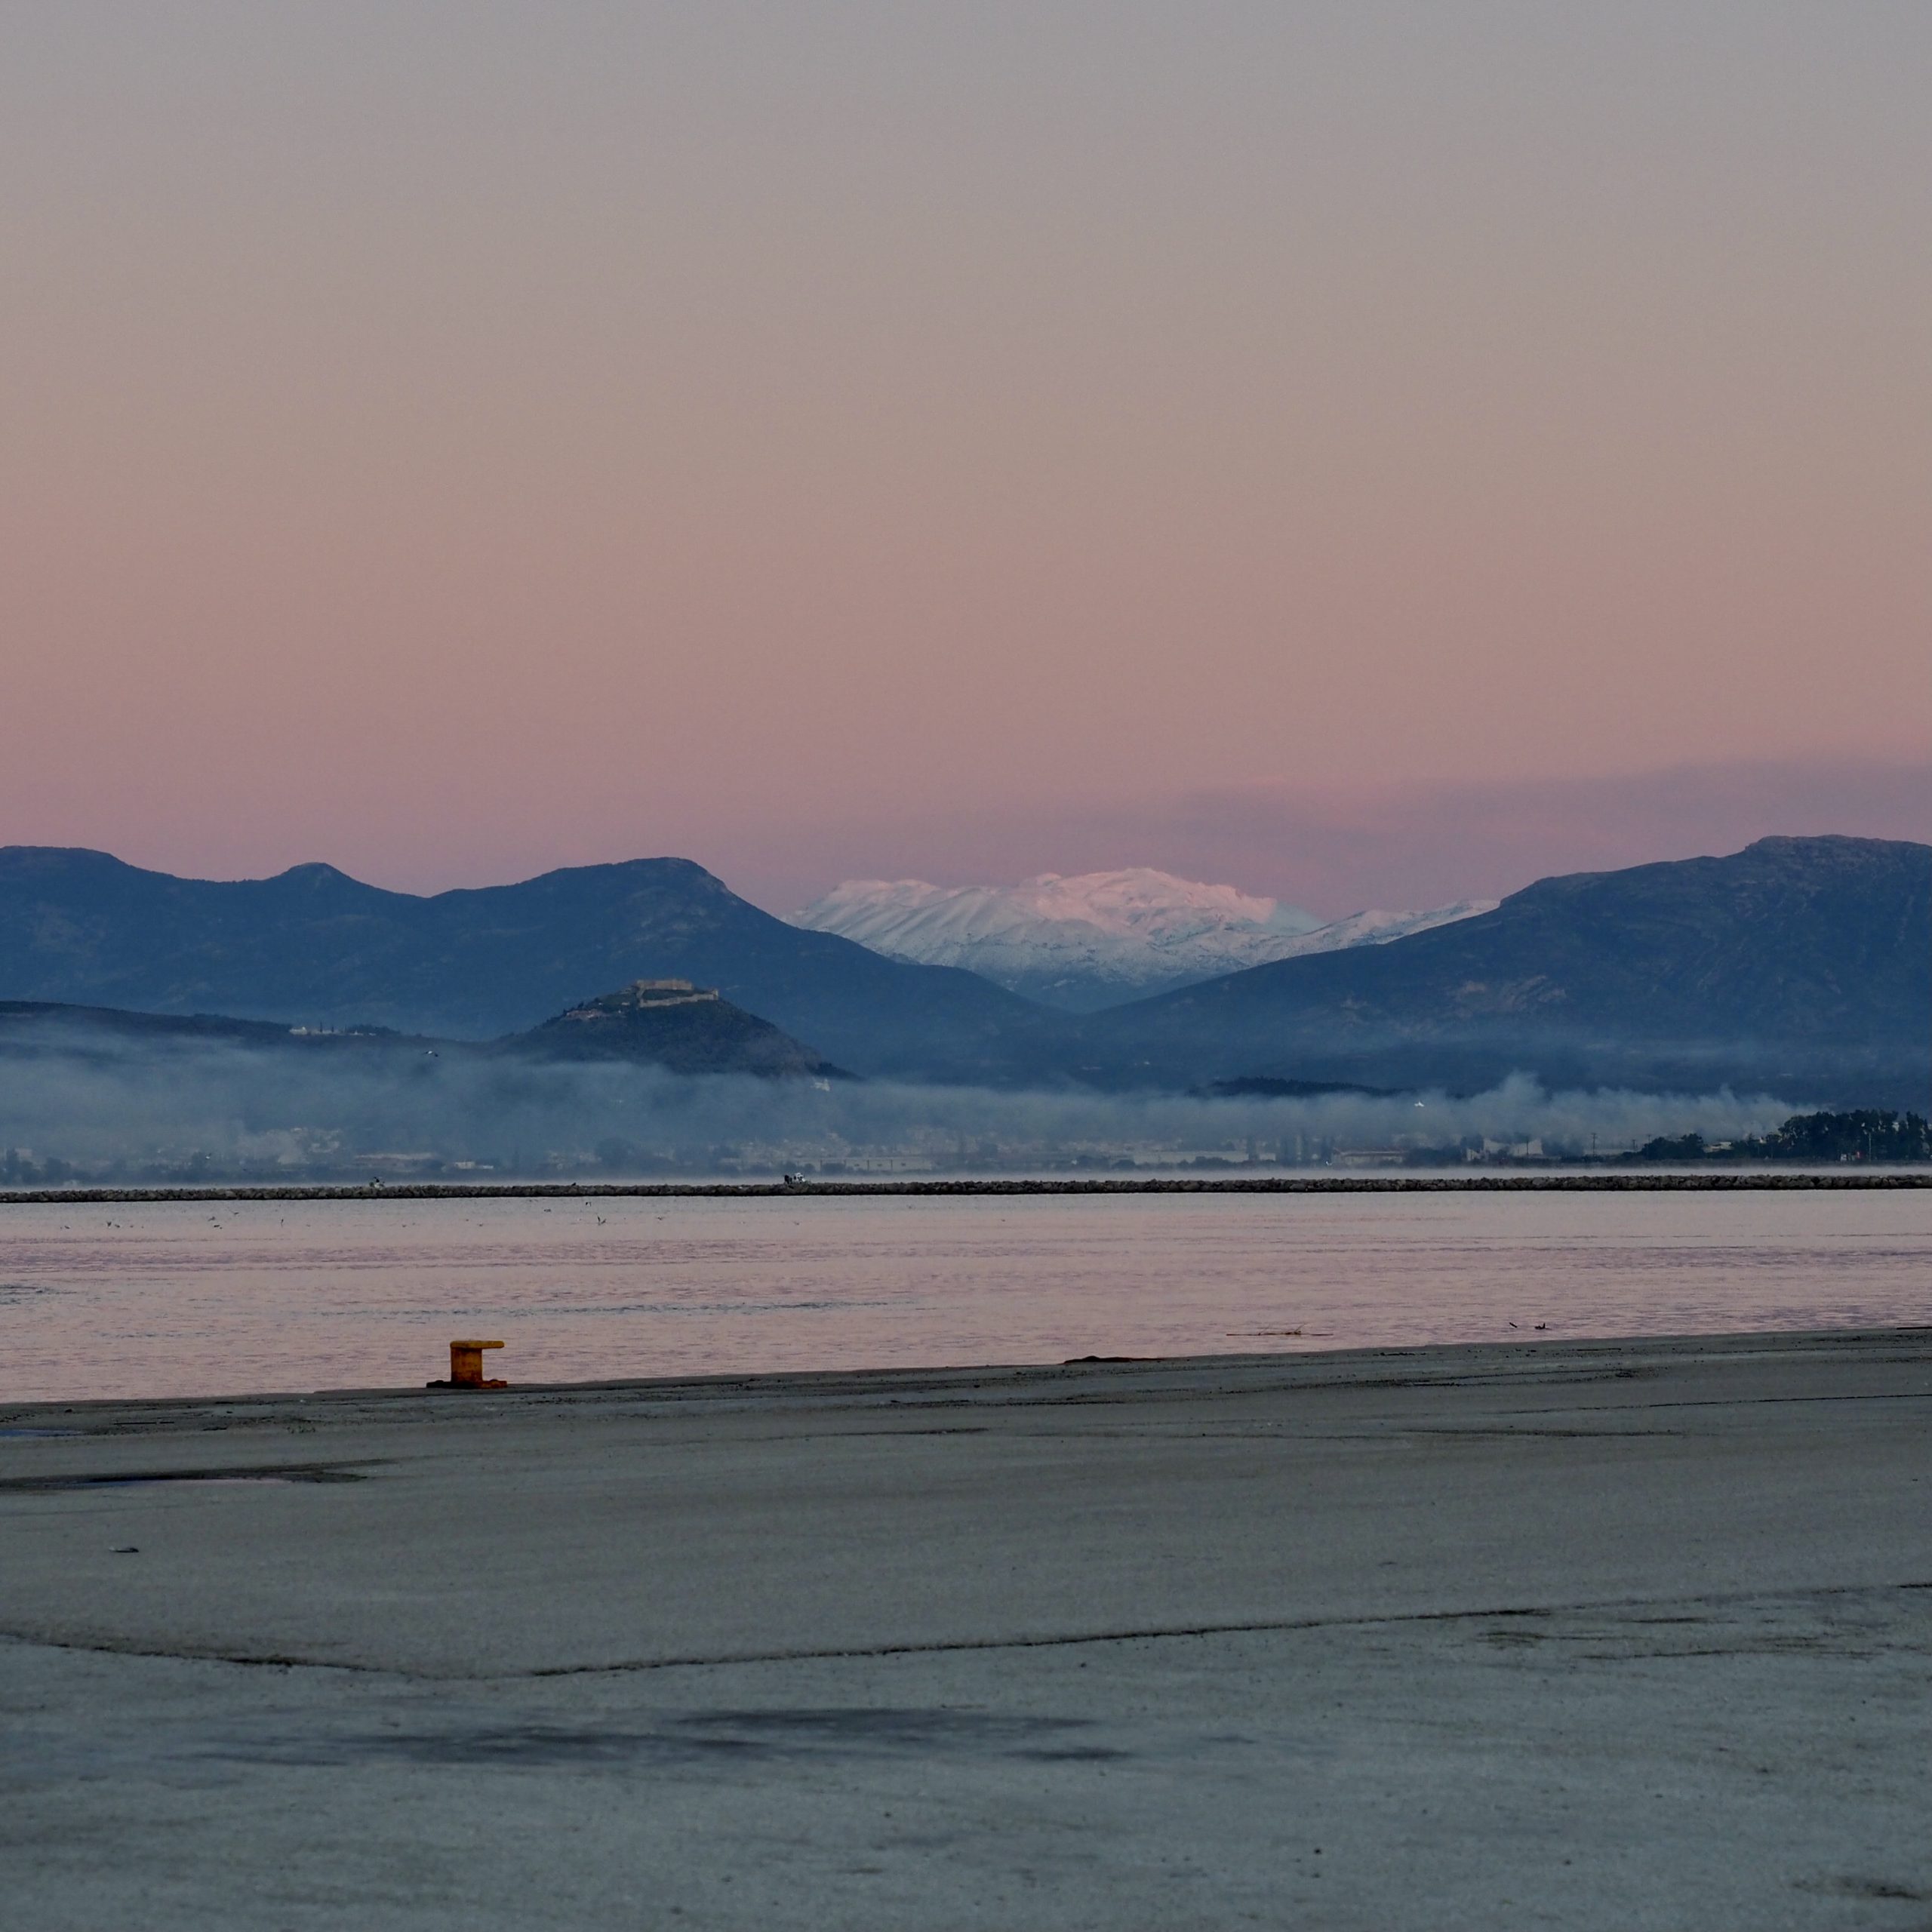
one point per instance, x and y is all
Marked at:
(160, 1112)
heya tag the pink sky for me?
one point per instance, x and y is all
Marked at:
(1342, 449)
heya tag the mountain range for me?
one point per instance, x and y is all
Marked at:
(313, 946)
(1799, 966)
(1100, 939)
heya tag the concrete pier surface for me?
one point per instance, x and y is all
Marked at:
(1603, 1635)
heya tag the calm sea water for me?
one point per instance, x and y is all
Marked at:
(195, 1298)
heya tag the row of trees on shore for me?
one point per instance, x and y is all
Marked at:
(1865, 1133)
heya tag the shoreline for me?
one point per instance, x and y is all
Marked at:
(1650, 1182)
(1083, 1379)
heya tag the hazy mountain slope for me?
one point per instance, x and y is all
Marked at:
(314, 945)
(167, 1095)
(1803, 965)
(1096, 940)
(38, 1029)
(695, 1036)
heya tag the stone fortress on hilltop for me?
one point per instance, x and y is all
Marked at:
(641, 994)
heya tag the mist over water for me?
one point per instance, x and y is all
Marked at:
(150, 1108)
(201, 1297)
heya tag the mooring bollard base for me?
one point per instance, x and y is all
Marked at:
(466, 1367)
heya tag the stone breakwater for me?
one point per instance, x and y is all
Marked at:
(1760, 1182)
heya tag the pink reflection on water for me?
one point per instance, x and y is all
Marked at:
(179, 1299)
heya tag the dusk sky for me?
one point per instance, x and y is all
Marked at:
(1371, 453)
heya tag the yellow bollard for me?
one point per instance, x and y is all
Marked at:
(467, 1366)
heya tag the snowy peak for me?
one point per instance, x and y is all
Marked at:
(1139, 906)
(1099, 938)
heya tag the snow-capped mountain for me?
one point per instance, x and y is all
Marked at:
(1093, 941)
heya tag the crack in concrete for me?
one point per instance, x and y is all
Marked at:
(938, 1646)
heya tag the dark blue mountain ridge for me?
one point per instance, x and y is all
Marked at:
(1802, 966)
(313, 945)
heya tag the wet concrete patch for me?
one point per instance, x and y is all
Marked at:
(279, 1472)
(695, 1738)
